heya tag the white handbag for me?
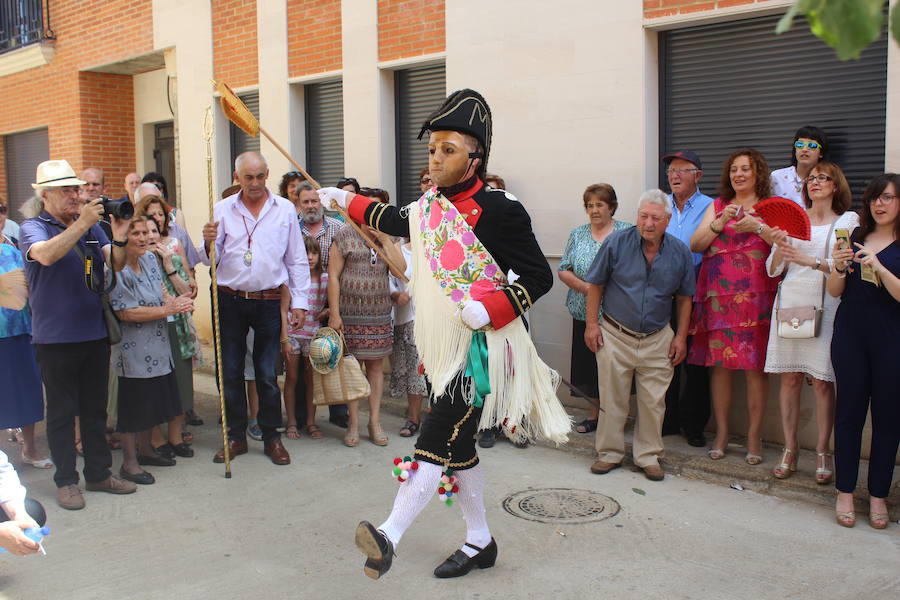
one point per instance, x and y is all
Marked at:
(802, 322)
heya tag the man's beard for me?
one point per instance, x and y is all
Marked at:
(312, 217)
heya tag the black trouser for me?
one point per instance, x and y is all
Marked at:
(75, 377)
(34, 509)
(236, 317)
(448, 434)
(689, 410)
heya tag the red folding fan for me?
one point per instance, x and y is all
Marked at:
(784, 214)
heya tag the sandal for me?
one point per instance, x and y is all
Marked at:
(377, 435)
(753, 459)
(824, 467)
(845, 518)
(786, 466)
(351, 438)
(313, 431)
(878, 520)
(292, 433)
(716, 453)
(46, 463)
(586, 426)
(409, 429)
(187, 437)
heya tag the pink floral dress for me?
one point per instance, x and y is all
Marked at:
(733, 302)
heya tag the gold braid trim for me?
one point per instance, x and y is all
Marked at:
(459, 424)
(524, 291)
(445, 461)
(515, 299)
(383, 208)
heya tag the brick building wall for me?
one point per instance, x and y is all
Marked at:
(52, 95)
(314, 36)
(654, 9)
(235, 53)
(408, 28)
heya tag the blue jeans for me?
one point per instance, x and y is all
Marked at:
(236, 316)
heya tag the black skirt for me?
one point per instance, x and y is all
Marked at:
(448, 432)
(144, 403)
(584, 362)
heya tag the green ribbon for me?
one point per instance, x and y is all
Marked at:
(477, 367)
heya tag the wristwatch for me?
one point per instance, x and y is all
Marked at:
(759, 229)
(818, 264)
(120, 244)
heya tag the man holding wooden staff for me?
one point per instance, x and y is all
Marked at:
(259, 247)
(477, 355)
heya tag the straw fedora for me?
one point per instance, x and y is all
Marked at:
(55, 173)
(325, 350)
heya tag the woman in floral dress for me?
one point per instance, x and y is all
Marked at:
(733, 303)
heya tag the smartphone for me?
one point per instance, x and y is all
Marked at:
(843, 238)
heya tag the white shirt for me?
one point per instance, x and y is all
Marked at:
(787, 184)
(403, 314)
(11, 489)
(276, 244)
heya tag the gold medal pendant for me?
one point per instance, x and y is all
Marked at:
(248, 258)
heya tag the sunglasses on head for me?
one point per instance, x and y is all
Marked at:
(348, 181)
(811, 145)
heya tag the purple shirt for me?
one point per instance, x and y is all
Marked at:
(63, 309)
(278, 253)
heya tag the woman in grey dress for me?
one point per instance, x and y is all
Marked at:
(148, 390)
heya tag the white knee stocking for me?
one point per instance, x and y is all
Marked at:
(471, 502)
(411, 498)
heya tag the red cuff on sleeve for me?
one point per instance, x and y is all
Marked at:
(499, 309)
(357, 208)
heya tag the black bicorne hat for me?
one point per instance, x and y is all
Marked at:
(465, 111)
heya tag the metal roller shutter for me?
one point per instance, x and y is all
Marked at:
(325, 131)
(419, 92)
(730, 85)
(240, 141)
(24, 152)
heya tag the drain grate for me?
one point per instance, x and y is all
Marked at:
(560, 505)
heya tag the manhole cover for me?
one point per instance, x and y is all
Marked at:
(560, 505)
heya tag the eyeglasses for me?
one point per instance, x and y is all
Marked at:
(820, 178)
(425, 181)
(883, 199)
(811, 145)
(680, 171)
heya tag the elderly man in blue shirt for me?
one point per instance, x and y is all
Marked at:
(688, 400)
(636, 275)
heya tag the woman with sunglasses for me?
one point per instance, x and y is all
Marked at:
(810, 146)
(865, 347)
(359, 298)
(805, 266)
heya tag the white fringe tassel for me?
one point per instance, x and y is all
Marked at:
(523, 388)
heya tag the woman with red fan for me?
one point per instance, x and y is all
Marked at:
(805, 266)
(733, 303)
(865, 347)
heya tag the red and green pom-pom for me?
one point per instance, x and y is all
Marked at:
(402, 467)
(447, 487)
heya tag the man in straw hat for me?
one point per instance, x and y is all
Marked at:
(259, 247)
(478, 357)
(68, 328)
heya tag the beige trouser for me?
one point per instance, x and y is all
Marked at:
(647, 360)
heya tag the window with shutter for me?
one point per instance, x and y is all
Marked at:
(240, 141)
(24, 152)
(419, 91)
(325, 131)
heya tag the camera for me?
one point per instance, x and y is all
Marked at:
(121, 208)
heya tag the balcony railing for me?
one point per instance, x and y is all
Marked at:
(21, 23)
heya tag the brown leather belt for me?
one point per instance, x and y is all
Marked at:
(272, 294)
(626, 331)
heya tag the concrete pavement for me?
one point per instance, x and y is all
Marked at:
(282, 532)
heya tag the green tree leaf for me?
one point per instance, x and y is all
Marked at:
(848, 26)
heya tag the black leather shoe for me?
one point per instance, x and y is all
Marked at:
(377, 547)
(155, 460)
(183, 450)
(488, 438)
(697, 440)
(459, 563)
(191, 418)
(142, 478)
(167, 450)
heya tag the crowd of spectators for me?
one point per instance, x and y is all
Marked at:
(671, 308)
